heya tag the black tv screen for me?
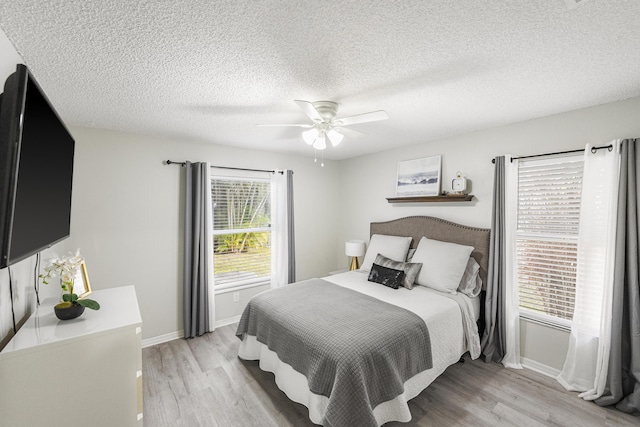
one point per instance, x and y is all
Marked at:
(36, 154)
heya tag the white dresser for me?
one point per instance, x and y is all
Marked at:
(80, 372)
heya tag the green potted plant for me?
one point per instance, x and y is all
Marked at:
(67, 269)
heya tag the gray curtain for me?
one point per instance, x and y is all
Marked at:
(291, 243)
(493, 339)
(196, 256)
(623, 375)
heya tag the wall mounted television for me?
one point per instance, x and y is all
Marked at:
(36, 161)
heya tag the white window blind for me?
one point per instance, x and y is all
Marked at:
(548, 219)
(241, 231)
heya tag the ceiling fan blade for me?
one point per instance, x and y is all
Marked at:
(362, 118)
(350, 132)
(298, 125)
(309, 110)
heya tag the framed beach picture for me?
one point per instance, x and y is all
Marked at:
(419, 177)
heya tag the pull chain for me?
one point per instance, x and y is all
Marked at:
(315, 157)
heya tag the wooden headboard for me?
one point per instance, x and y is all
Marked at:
(440, 229)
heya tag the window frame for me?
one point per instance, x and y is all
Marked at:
(251, 282)
(533, 236)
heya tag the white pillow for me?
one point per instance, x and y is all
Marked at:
(392, 247)
(471, 283)
(443, 264)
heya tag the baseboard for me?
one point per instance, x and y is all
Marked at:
(227, 321)
(180, 334)
(162, 338)
(539, 367)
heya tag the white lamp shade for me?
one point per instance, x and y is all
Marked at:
(335, 137)
(310, 135)
(354, 248)
(320, 142)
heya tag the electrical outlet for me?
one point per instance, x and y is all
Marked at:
(236, 296)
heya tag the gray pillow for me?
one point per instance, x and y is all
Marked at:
(471, 284)
(411, 269)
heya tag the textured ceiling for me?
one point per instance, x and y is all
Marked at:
(211, 71)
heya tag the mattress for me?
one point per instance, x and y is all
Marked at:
(444, 315)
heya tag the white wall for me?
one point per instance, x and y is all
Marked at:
(368, 180)
(24, 299)
(127, 215)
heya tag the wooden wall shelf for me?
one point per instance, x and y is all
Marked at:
(433, 199)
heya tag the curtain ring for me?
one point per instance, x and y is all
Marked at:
(610, 147)
(593, 150)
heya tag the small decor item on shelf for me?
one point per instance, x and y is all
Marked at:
(459, 183)
(72, 272)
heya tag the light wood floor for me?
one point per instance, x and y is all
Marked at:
(201, 382)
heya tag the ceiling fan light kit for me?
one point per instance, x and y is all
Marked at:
(326, 127)
(317, 137)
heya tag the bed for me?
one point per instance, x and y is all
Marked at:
(354, 351)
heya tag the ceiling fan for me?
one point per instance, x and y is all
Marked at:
(326, 126)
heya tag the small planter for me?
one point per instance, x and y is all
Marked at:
(69, 313)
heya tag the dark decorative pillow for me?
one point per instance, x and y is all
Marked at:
(411, 269)
(386, 276)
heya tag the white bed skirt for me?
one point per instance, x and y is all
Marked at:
(295, 385)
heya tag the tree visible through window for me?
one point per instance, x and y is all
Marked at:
(548, 217)
(241, 231)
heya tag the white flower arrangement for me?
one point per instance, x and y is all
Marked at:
(66, 268)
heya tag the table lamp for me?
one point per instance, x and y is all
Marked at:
(354, 249)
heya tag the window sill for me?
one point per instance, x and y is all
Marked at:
(549, 323)
(235, 288)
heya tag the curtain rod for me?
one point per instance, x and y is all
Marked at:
(593, 150)
(171, 162)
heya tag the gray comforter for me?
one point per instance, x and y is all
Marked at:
(354, 349)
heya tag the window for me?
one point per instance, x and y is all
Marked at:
(548, 216)
(241, 231)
